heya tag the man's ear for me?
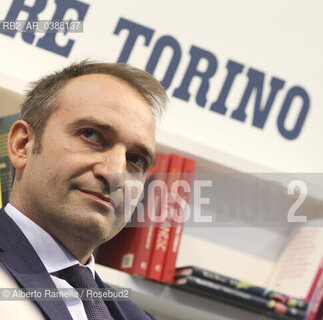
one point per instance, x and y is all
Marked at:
(21, 140)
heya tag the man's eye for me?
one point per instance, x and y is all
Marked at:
(138, 161)
(91, 135)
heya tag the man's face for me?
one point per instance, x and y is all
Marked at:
(101, 130)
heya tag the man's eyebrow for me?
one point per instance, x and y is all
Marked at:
(92, 123)
(95, 123)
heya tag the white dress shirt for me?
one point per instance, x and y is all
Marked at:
(52, 254)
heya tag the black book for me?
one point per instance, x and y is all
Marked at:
(242, 285)
(216, 291)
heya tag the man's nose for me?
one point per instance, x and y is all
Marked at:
(112, 166)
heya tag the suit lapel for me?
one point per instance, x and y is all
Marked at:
(20, 258)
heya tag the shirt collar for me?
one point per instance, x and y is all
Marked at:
(54, 256)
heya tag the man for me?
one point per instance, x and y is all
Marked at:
(83, 132)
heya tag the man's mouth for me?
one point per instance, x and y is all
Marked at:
(99, 197)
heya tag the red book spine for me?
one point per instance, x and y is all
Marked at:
(316, 279)
(129, 251)
(110, 253)
(319, 315)
(315, 308)
(178, 224)
(162, 232)
(136, 259)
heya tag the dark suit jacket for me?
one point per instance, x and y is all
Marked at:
(20, 259)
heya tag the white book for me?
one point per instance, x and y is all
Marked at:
(293, 270)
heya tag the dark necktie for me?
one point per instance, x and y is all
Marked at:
(81, 277)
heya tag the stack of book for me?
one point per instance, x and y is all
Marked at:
(148, 245)
(296, 270)
(242, 294)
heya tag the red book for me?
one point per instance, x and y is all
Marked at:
(129, 251)
(162, 232)
(178, 224)
(317, 278)
(315, 308)
(319, 315)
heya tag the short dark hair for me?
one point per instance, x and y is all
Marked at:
(41, 99)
